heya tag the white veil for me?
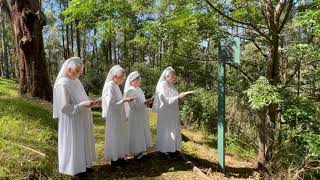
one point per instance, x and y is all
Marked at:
(132, 76)
(156, 101)
(115, 70)
(64, 68)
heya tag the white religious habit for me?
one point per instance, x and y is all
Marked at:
(137, 114)
(76, 146)
(166, 104)
(116, 131)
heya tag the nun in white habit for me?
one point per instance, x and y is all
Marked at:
(166, 104)
(136, 111)
(71, 105)
(116, 131)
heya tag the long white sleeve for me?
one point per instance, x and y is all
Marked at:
(168, 100)
(111, 98)
(137, 102)
(65, 106)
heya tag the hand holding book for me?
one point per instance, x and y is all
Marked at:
(182, 95)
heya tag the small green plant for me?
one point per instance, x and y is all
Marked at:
(262, 93)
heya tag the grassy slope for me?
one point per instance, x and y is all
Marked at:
(25, 125)
(28, 146)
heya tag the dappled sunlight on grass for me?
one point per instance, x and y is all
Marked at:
(7, 87)
(28, 137)
(98, 130)
(152, 119)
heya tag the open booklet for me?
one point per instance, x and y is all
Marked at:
(99, 99)
(185, 93)
(188, 92)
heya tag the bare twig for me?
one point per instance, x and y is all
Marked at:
(246, 76)
(260, 49)
(25, 147)
(286, 16)
(296, 69)
(198, 171)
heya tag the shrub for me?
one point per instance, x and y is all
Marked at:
(200, 110)
(299, 134)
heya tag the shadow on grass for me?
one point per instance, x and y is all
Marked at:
(7, 82)
(7, 90)
(185, 138)
(155, 165)
(209, 141)
(26, 110)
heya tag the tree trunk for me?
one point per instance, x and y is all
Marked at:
(272, 114)
(118, 54)
(273, 14)
(5, 69)
(1, 66)
(104, 46)
(67, 42)
(13, 64)
(78, 40)
(27, 21)
(84, 52)
(110, 52)
(62, 33)
(114, 55)
(160, 53)
(263, 137)
(125, 52)
(93, 55)
(63, 42)
(142, 55)
(299, 79)
(71, 38)
(153, 59)
(95, 47)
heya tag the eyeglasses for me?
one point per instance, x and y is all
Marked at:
(78, 72)
(123, 76)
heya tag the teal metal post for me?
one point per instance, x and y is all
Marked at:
(229, 53)
(221, 115)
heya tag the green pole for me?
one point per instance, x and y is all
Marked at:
(229, 53)
(221, 115)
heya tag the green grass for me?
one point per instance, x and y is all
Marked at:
(27, 135)
(243, 154)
